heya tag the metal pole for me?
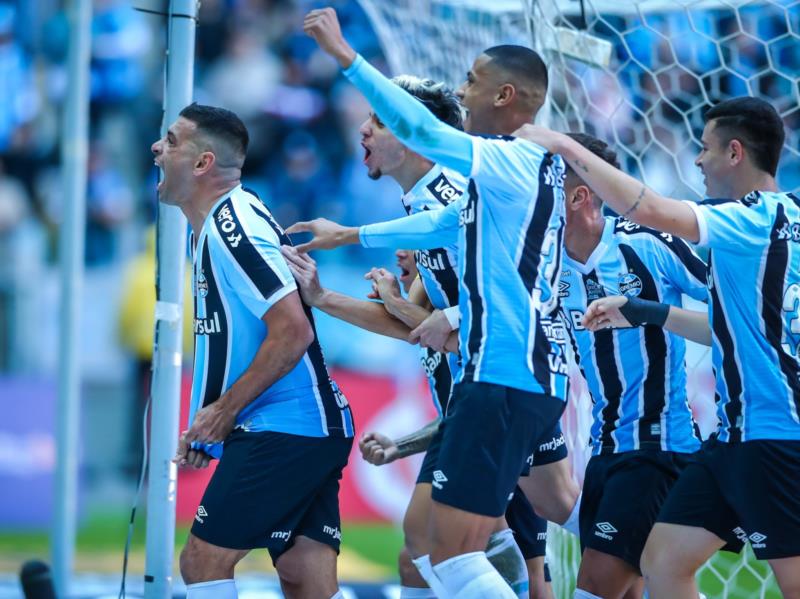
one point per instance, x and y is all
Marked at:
(74, 156)
(166, 381)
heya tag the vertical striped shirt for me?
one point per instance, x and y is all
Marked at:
(636, 376)
(438, 272)
(238, 275)
(509, 230)
(754, 309)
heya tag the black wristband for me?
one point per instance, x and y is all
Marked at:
(638, 312)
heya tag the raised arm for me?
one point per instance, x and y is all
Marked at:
(407, 118)
(627, 196)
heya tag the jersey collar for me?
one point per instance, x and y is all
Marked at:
(415, 193)
(598, 252)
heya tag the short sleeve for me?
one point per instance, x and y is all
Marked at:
(682, 267)
(253, 264)
(741, 225)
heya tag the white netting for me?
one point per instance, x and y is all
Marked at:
(639, 74)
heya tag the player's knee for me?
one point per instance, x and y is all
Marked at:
(415, 538)
(199, 564)
(292, 567)
(660, 561)
(409, 575)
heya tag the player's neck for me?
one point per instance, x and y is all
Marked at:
(583, 235)
(411, 171)
(196, 210)
(755, 180)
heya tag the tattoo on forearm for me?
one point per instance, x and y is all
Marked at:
(417, 441)
(582, 166)
(638, 201)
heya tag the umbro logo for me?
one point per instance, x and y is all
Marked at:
(201, 513)
(438, 479)
(757, 540)
(605, 530)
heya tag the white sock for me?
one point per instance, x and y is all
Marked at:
(573, 522)
(423, 564)
(416, 593)
(471, 576)
(338, 595)
(581, 594)
(213, 589)
(504, 554)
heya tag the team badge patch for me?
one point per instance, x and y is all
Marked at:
(630, 284)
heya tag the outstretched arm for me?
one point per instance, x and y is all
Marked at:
(378, 449)
(618, 311)
(371, 316)
(407, 118)
(627, 196)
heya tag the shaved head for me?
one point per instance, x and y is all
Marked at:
(523, 68)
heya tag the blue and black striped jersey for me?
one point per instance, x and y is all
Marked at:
(239, 274)
(508, 226)
(438, 271)
(636, 377)
(754, 309)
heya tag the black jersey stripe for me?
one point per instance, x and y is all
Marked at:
(772, 284)
(217, 346)
(604, 358)
(655, 366)
(730, 371)
(438, 264)
(528, 267)
(470, 217)
(250, 261)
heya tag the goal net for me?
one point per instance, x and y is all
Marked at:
(638, 74)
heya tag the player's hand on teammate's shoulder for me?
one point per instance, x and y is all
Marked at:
(323, 25)
(539, 135)
(433, 332)
(326, 234)
(304, 269)
(377, 449)
(604, 313)
(384, 285)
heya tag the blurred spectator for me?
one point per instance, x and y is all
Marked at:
(20, 99)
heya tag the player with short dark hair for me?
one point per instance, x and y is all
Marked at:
(512, 386)
(262, 401)
(642, 432)
(745, 483)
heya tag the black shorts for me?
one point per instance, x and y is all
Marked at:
(270, 488)
(530, 529)
(622, 496)
(487, 436)
(746, 491)
(550, 448)
(431, 458)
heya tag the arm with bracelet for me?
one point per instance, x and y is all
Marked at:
(620, 311)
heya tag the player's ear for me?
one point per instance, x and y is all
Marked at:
(204, 163)
(505, 94)
(735, 151)
(579, 197)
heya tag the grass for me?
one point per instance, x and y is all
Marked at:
(368, 550)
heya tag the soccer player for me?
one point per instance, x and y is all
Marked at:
(642, 432)
(261, 389)
(509, 227)
(425, 187)
(745, 482)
